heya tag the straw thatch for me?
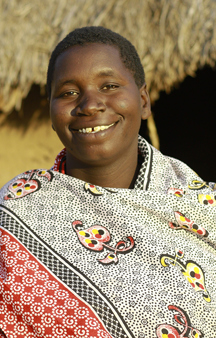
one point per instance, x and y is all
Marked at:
(173, 38)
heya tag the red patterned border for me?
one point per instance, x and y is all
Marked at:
(58, 160)
(34, 303)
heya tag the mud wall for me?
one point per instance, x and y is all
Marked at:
(27, 140)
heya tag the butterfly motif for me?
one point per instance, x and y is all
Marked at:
(92, 188)
(197, 185)
(192, 272)
(22, 187)
(97, 237)
(176, 192)
(207, 199)
(184, 222)
(169, 331)
(94, 191)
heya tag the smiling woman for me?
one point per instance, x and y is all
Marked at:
(92, 247)
(92, 89)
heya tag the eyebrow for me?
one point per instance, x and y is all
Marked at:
(63, 82)
(105, 73)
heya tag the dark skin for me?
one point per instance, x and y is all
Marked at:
(117, 176)
(91, 88)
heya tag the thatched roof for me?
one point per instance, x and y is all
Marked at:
(173, 38)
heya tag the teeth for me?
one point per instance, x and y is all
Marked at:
(95, 129)
(88, 130)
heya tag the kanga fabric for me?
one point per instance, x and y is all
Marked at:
(83, 261)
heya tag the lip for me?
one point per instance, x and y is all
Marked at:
(94, 136)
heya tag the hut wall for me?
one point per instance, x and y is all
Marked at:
(26, 137)
(19, 152)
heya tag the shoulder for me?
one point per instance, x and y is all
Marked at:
(172, 164)
(24, 183)
(168, 172)
(4, 189)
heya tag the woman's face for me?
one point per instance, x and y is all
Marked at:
(95, 105)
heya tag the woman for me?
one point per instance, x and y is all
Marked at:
(116, 240)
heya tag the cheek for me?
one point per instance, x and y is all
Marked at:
(129, 104)
(53, 111)
(131, 112)
(58, 114)
(123, 105)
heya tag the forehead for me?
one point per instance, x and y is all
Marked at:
(91, 59)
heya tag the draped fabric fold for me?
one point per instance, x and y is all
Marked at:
(79, 260)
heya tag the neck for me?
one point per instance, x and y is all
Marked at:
(120, 174)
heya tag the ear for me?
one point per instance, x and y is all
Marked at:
(145, 101)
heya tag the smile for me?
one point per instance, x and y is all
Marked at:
(95, 129)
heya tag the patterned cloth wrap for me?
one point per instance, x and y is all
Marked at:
(82, 261)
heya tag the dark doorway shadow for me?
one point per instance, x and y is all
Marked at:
(186, 123)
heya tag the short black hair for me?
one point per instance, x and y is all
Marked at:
(98, 34)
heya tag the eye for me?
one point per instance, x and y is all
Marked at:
(110, 87)
(70, 94)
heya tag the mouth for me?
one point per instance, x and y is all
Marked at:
(94, 130)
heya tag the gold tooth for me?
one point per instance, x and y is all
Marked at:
(88, 130)
(95, 129)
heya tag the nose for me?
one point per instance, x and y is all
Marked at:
(90, 104)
